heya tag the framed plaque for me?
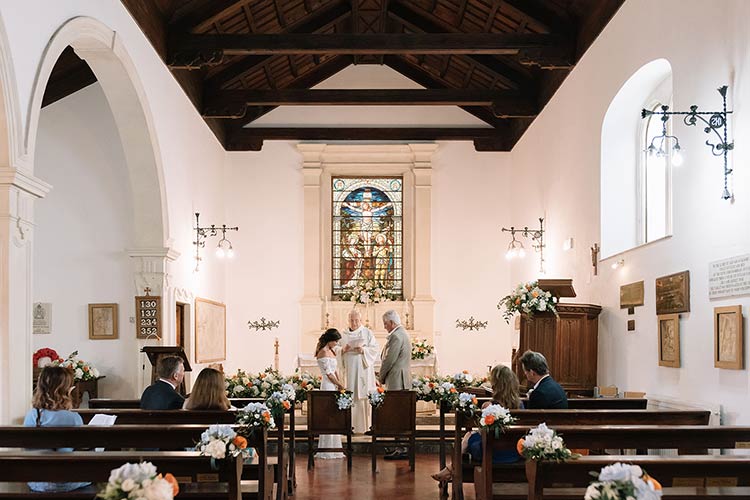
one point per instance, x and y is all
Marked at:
(631, 295)
(102, 321)
(728, 337)
(148, 317)
(673, 293)
(669, 340)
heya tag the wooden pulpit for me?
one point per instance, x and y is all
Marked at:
(156, 352)
(568, 341)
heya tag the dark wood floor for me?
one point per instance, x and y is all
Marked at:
(394, 481)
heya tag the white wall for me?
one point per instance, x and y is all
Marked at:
(557, 162)
(83, 228)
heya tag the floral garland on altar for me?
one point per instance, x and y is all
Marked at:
(367, 292)
(264, 384)
(527, 299)
(421, 349)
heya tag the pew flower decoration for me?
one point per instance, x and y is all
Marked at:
(82, 370)
(139, 481)
(376, 397)
(344, 399)
(496, 418)
(45, 356)
(220, 441)
(527, 299)
(623, 481)
(281, 401)
(255, 416)
(463, 379)
(303, 382)
(543, 443)
(421, 349)
(466, 404)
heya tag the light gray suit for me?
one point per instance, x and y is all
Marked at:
(395, 370)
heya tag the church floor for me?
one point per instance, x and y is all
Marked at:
(393, 481)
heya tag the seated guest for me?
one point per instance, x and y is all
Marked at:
(51, 407)
(546, 393)
(505, 393)
(161, 395)
(209, 392)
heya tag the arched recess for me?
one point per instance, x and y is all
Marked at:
(102, 49)
(622, 152)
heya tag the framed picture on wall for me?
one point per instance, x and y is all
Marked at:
(103, 321)
(669, 340)
(728, 337)
(210, 331)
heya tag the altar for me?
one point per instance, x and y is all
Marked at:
(419, 367)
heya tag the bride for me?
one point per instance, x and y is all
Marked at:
(331, 382)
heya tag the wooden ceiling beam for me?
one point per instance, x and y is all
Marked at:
(233, 103)
(188, 19)
(251, 139)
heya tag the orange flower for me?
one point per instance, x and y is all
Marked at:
(381, 390)
(240, 442)
(287, 405)
(249, 384)
(466, 372)
(431, 385)
(304, 384)
(453, 390)
(85, 368)
(518, 301)
(474, 401)
(489, 420)
(535, 294)
(168, 477)
(266, 416)
(519, 446)
(654, 482)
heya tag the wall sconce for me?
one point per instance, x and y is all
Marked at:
(716, 123)
(515, 247)
(223, 248)
(618, 263)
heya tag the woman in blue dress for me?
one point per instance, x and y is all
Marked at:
(51, 407)
(505, 392)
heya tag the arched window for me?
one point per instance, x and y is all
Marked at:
(636, 196)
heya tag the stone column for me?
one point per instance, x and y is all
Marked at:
(18, 191)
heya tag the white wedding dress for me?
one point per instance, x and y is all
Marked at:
(328, 365)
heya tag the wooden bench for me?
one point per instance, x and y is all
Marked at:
(730, 475)
(19, 467)
(557, 418)
(137, 436)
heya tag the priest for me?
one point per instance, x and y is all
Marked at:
(358, 354)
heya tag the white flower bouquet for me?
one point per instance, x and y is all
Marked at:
(466, 404)
(376, 397)
(344, 399)
(303, 382)
(623, 482)
(255, 416)
(367, 292)
(463, 379)
(281, 401)
(139, 481)
(528, 299)
(218, 441)
(421, 349)
(543, 443)
(82, 370)
(496, 418)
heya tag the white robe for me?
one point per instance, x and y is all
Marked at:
(359, 374)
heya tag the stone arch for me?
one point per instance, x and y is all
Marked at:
(103, 50)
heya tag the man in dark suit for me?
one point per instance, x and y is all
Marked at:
(546, 393)
(162, 394)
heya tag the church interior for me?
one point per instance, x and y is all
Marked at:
(229, 179)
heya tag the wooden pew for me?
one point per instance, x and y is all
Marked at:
(19, 467)
(601, 437)
(730, 471)
(136, 436)
(555, 418)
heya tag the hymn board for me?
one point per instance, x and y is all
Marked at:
(148, 316)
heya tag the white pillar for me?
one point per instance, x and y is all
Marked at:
(18, 191)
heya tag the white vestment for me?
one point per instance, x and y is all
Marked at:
(359, 374)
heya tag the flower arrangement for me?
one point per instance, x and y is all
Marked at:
(421, 349)
(218, 441)
(238, 385)
(82, 370)
(136, 481)
(45, 356)
(376, 397)
(368, 291)
(303, 382)
(279, 402)
(255, 416)
(496, 418)
(528, 299)
(344, 399)
(463, 379)
(543, 443)
(466, 404)
(623, 481)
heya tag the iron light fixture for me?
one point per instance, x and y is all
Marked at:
(716, 123)
(515, 247)
(223, 248)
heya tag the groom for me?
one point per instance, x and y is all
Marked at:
(395, 370)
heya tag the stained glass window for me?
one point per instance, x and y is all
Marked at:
(367, 234)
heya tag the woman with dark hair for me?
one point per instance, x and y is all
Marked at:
(209, 392)
(505, 393)
(51, 407)
(331, 381)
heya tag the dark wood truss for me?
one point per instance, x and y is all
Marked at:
(500, 60)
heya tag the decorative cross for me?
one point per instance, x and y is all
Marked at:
(147, 291)
(276, 346)
(595, 258)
